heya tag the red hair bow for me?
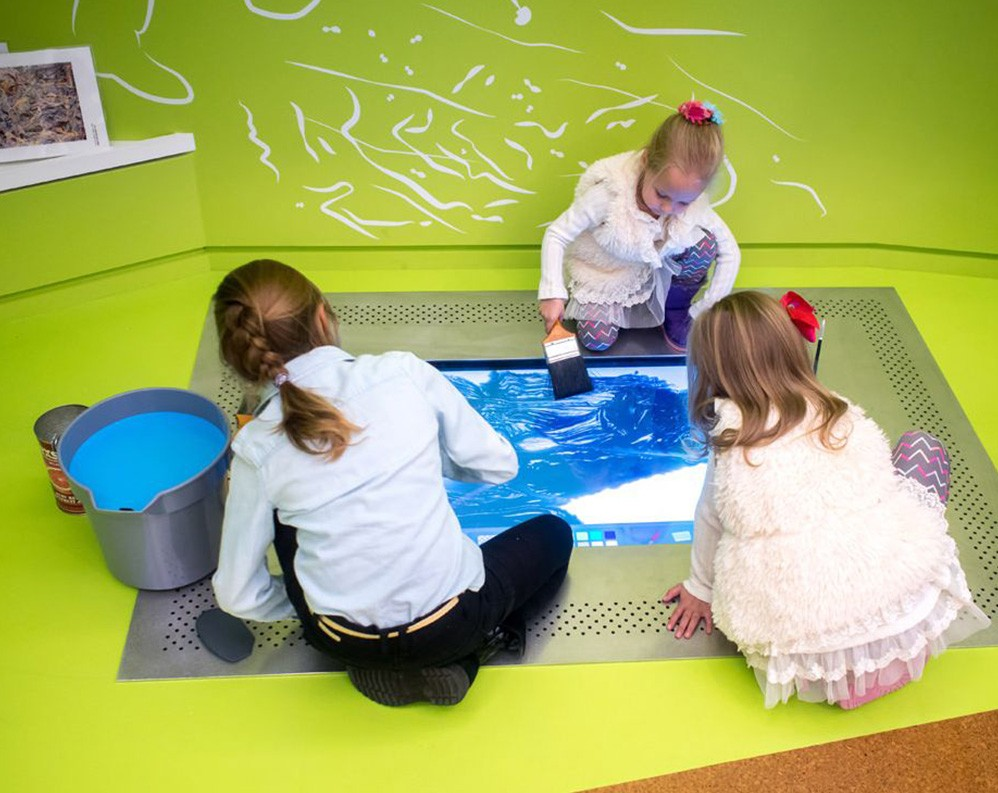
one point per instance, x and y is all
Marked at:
(802, 314)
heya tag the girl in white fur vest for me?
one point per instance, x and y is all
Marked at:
(820, 552)
(638, 240)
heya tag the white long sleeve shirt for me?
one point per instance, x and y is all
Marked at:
(378, 541)
(706, 532)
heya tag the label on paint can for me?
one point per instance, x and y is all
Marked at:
(48, 430)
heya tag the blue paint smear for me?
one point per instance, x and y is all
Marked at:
(129, 462)
(631, 426)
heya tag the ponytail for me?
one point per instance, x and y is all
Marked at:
(313, 424)
(266, 314)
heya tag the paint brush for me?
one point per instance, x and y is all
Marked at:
(565, 363)
(817, 347)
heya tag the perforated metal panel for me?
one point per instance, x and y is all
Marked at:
(609, 609)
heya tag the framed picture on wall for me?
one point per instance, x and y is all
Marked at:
(49, 104)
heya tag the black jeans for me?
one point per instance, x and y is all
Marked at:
(524, 567)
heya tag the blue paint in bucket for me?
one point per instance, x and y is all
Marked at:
(127, 463)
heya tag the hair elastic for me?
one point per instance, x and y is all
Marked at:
(700, 113)
(281, 378)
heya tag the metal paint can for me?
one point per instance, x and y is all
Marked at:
(49, 429)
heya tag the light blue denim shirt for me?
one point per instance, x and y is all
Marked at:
(378, 542)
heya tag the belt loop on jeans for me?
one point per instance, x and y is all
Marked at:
(331, 627)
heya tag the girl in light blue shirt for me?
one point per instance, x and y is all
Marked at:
(342, 468)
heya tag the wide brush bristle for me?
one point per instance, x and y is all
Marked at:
(566, 365)
(569, 377)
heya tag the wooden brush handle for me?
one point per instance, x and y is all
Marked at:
(557, 333)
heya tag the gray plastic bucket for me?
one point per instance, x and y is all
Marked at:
(173, 540)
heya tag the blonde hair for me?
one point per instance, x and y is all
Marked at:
(694, 148)
(745, 348)
(268, 313)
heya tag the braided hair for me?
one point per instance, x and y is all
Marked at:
(268, 313)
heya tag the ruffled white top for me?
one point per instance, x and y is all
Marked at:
(830, 571)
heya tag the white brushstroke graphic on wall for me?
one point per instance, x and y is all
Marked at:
(642, 100)
(670, 31)
(163, 100)
(422, 209)
(614, 90)
(522, 14)
(300, 119)
(350, 222)
(382, 223)
(282, 17)
(625, 124)
(501, 203)
(418, 189)
(426, 126)
(475, 149)
(500, 35)
(427, 158)
(514, 145)
(736, 101)
(550, 134)
(732, 184)
(484, 174)
(150, 7)
(256, 141)
(422, 91)
(365, 144)
(809, 189)
(471, 73)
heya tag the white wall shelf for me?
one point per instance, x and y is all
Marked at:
(124, 152)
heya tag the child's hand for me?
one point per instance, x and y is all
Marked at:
(688, 612)
(551, 309)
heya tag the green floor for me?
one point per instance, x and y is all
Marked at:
(67, 725)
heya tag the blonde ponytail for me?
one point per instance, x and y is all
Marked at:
(313, 424)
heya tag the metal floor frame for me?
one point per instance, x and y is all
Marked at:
(609, 608)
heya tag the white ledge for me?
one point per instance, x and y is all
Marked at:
(123, 152)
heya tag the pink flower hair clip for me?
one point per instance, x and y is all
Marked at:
(700, 113)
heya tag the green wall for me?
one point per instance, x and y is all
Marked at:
(99, 222)
(884, 110)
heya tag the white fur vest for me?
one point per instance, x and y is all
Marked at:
(820, 545)
(613, 262)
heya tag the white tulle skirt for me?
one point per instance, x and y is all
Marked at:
(832, 675)
(647, 314)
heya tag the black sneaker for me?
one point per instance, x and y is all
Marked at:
(506, 638)
(438, 685)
